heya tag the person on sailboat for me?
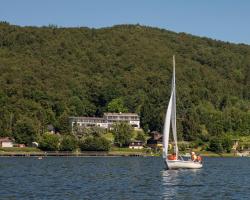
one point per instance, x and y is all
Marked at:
(172, 157)
(196, 158)
(193, 156)
(199, 158)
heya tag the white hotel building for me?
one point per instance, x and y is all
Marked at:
(106, 121)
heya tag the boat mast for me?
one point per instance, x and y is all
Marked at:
(173, 114)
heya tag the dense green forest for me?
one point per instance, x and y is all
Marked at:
(48, 74)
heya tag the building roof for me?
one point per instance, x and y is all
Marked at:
(50, 127)
(90, 118)
(155, 135)
(124, 114)
(6, 139)
(105, 114)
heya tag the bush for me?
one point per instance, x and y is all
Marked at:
(69, 143)
(95, 144)
(222, 144)
(89, 131)
(215, 145)
(49, 142)
(197, 143)
(183, 146)
(227, 144)
(141, 136)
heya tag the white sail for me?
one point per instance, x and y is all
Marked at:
(166, 128)
(173, 114)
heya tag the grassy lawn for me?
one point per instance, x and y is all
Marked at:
(212, 154)
(18, 149)
(128, 151)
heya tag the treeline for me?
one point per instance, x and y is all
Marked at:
(52, 142)
(48, 74)
(91, 139)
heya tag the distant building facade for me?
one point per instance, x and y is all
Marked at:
(106, 121)
(88, 122)
(131, 118)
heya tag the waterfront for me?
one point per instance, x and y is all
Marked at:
(121, 178)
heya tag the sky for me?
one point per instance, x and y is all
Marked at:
(226, 20)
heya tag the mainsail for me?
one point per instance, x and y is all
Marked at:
(170, 117)
(167, 127)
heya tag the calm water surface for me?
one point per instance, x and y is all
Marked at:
(121, 178)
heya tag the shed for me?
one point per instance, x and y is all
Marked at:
(6, 142)
(137, 144)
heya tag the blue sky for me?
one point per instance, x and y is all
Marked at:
(226, 20)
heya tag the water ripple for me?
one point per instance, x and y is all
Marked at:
(121, 178)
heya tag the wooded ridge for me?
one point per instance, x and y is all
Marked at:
(48, 74)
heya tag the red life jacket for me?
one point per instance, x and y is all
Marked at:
(199, 158)
(172, 157)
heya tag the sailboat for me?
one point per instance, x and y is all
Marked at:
(176, 162)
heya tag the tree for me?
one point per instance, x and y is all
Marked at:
(122, 133)
(25, 131)
(227, 144)
(63, 123)
(152, 116)
(88, 131)
(117, 105)
(68, 143)
(49, 142)
(141, 136)
(95, 144)
(215, 145)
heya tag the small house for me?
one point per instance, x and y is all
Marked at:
(155, 141)
(235, 144)
(6, 142)
(137, 144)
(35, 144)
(51, 129)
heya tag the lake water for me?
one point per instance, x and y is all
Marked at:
(121, 178)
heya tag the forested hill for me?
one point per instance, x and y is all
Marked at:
(50, 73)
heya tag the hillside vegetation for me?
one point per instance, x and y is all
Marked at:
(48, 74)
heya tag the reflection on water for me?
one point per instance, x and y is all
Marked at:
(174, 181)
(169, 180)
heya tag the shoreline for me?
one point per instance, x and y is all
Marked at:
(74, 154)
(100, 154)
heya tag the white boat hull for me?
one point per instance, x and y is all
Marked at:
(182, 164)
